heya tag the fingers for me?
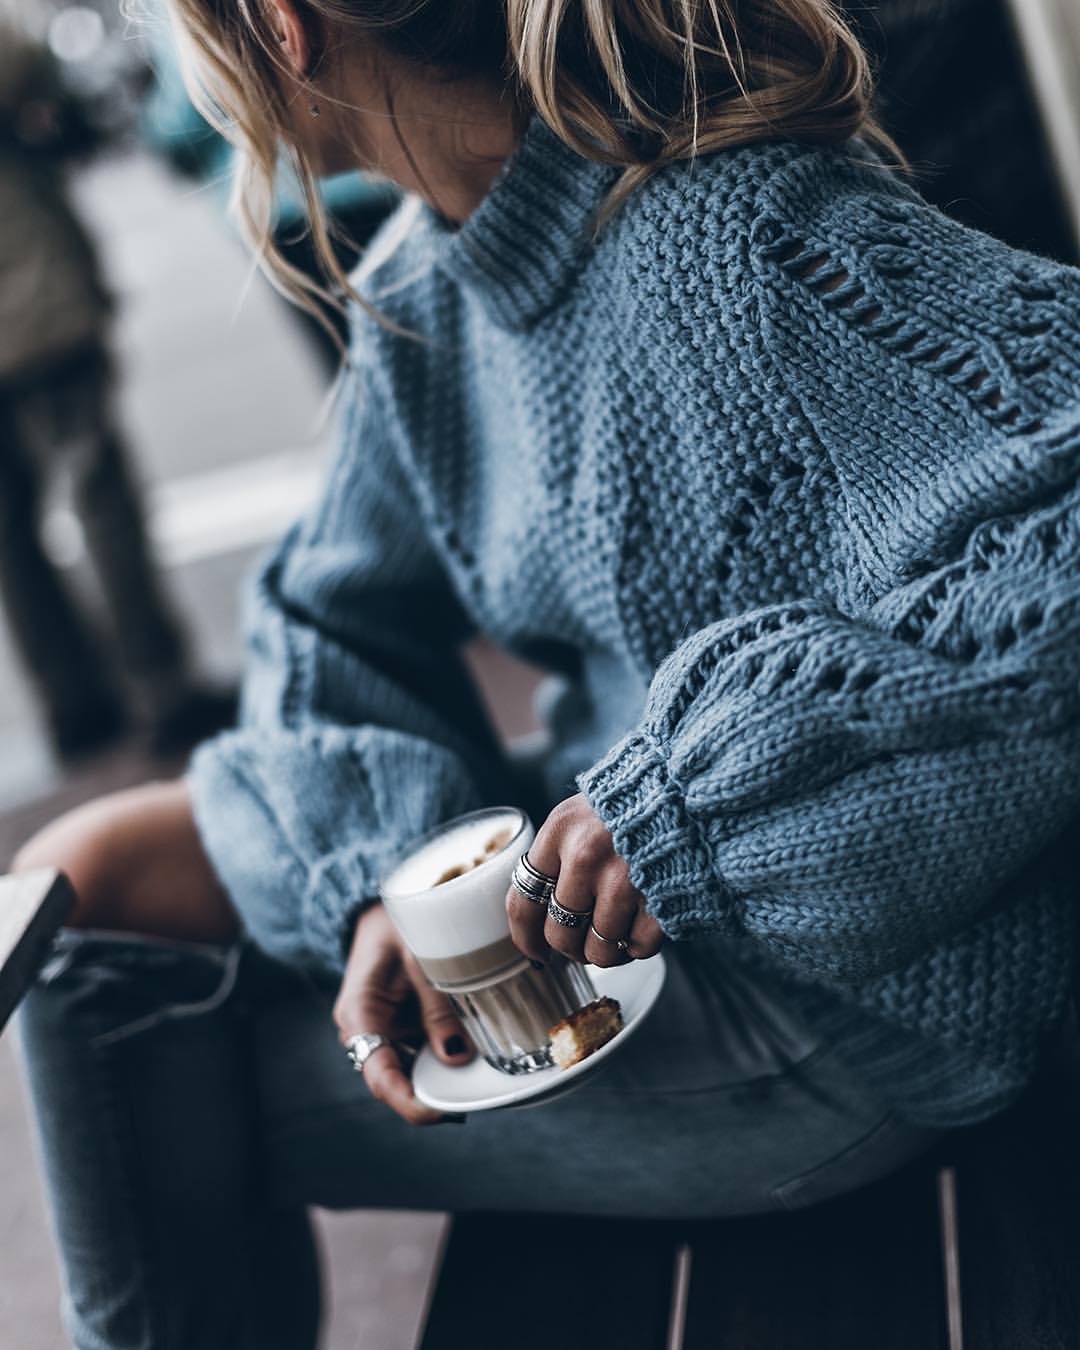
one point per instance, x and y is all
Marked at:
(388, 1083)
(444, 1029)
(528, 917)
(617, 907)
(574, 891)
(527, 925)
(592, 881)
(375, 993)
(646, 937)
(384, 1076)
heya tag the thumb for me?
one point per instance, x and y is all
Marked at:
(444, 1029)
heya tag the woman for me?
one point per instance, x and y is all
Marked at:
(776, 472)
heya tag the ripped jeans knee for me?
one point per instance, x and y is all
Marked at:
(116, 985)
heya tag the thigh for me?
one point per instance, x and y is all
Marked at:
(724, 1103)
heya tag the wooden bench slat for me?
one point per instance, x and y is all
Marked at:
(33, 908)
(855, 1273)
(537, 1282)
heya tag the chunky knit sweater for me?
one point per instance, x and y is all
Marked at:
(779, 474)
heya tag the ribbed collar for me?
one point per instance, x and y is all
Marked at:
(523, 244)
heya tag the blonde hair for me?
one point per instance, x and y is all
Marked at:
(636, 84)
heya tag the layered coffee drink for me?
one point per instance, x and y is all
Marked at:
(447, 897)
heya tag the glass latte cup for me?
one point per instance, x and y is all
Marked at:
(446, 895)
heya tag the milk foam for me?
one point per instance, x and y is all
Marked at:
(469, 911)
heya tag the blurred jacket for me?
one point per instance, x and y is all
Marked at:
(52, 300)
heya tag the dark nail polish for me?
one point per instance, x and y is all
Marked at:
(537, 965)
(455, 1045)
(452, 1120)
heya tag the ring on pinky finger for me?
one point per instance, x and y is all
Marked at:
(623, 943)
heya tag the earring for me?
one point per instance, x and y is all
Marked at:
(315, 109)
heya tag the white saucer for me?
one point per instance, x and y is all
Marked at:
(479, 1087)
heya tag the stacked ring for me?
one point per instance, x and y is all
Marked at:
(568, 918)
(532, 884)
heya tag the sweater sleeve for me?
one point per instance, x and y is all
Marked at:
(847, 781)
(360, 726)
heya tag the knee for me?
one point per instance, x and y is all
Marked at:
(137, 865)
(95, 846)
(76, 843)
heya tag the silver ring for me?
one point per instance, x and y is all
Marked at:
(569, 918)
(360, 1048)
(538, 892)
(535, 871)
(532, 884)
(623, 944)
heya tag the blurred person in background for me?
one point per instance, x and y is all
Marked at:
(56, 415)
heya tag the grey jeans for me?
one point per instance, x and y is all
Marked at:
(193, 1100)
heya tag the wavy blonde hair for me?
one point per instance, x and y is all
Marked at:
(636, 84)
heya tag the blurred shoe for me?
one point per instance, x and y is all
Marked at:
(82, 732)
(195, 715)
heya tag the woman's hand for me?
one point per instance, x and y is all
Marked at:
(137, 865)
(384, 991)
(574, 845)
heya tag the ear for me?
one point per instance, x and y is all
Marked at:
(288, 27)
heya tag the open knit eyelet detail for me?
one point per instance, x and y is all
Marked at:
(738, 638)
(738, 527)
(831, 679)
(994, 544)
(891, 252)
(1034, 291)
(863, 679)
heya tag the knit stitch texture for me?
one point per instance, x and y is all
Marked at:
(780, 475)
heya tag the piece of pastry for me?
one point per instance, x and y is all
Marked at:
(577, 1036)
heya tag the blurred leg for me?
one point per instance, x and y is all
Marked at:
(79, 408)
(135, 1051)
(52, 637)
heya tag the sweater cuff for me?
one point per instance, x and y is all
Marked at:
(633, 793)
(337, 893)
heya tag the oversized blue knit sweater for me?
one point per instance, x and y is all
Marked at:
(780, 475)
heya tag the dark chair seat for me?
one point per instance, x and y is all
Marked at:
(974, 1248)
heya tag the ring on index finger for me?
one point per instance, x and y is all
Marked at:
(532, 884)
